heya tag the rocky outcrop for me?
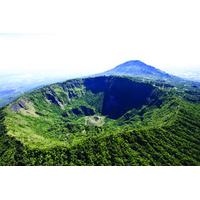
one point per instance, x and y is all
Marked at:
(23, 106)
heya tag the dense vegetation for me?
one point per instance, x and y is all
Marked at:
(103, 121)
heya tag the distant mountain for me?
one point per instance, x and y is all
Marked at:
(137, 68)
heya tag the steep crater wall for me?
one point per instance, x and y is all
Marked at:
(121, 94)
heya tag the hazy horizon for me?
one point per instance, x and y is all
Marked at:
(66, 70)
(93, 36)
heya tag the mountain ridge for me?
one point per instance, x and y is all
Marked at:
(19, 84)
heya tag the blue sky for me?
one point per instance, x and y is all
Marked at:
(81, 37)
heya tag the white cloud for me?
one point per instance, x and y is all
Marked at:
(91, 36)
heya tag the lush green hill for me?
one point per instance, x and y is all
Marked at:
(102, 121)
